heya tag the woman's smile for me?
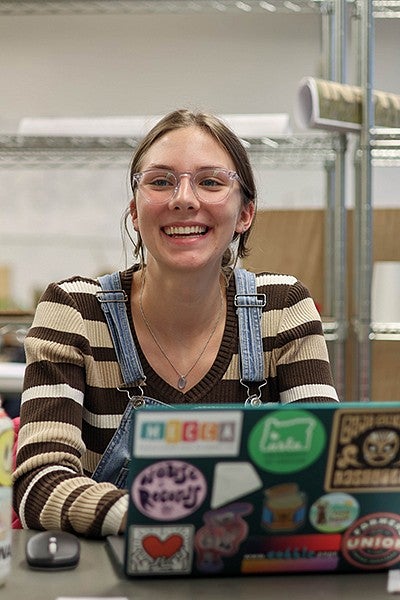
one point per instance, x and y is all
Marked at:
(185, 231)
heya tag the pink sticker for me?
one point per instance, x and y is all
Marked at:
(169, 490)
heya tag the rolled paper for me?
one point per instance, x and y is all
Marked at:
(245, 126)
(258, 125)
(135, 126)
(323, 104)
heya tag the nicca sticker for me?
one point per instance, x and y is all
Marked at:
(179, 434)
(373, 542)
(364, 452)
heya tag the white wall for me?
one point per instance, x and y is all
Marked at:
(57, 222)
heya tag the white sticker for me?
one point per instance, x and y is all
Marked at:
(187, 433)
(232, 481)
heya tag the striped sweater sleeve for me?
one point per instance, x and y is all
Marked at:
(50, 489)
(298, 360)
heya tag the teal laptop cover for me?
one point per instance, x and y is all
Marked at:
(234, 490)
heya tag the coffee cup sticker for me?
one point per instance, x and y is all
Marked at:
(284, 507)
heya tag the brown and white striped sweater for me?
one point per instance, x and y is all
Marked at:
(71, 405)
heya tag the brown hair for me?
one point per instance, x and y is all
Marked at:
(226, 138)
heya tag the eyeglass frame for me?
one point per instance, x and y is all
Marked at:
(233, 176)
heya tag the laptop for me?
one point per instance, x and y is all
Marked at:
(235, 490)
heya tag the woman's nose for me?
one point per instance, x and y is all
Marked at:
(184, 196)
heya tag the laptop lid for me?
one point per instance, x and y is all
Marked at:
(235, 490)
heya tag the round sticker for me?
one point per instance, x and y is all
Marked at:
(334, 512)
(286, 441)
(373, 542)
(169, 490)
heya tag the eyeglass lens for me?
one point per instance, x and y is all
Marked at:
(209, 185)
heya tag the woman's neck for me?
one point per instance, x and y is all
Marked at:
(179, 322)
(179, 304)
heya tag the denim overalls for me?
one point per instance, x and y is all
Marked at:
(114, 464)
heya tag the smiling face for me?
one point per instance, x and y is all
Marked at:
(186, 233)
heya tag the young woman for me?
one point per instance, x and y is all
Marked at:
(192, 209)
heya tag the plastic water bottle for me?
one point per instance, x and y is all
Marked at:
(6, 447)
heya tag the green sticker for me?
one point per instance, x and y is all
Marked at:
(287, 441)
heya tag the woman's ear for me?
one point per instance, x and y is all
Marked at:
(245, 217)
(134, 215)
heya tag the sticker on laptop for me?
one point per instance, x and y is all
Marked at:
(284, 508)
(287, 441)
(373, 542)
(334, 512)
(182, 434)
(169, 490)
(166, 550)
(233, 480)
(294, 553)
(220, 537)
(364, 452)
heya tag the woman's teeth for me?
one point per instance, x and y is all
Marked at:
(192, 230)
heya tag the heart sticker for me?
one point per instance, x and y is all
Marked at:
(157, 548)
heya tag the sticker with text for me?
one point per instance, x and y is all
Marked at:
(373, 542)
(287, 441)
(169, 490)
(200, 433)
(295, 553)
(364, 451)
(334, 512)
(165, 550)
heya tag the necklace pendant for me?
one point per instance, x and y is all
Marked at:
(182, 382)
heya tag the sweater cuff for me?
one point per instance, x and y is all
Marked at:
(115, 516)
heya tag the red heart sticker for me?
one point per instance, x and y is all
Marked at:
(157, 548)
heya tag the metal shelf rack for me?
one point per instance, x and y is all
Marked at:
(377, 147)
(82, 7)
(385, 147)
(292, 151)
(381, 8)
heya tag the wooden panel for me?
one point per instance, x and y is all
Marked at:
(385, 356)
(293, 242)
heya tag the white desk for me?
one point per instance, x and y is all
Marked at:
(96, 576)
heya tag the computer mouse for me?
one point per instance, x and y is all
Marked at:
(52, 550)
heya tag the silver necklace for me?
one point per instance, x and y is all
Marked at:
(182, 379)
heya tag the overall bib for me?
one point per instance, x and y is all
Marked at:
(114, 464)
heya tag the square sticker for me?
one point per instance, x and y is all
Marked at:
(165, 550)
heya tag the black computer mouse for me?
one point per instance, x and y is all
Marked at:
(52, 550)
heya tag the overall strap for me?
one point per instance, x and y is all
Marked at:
(249, 305)
(113, 301)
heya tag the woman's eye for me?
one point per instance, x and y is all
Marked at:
(160, 182)
(210, 183)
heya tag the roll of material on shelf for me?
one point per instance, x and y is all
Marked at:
(323, 104)
(244, 125)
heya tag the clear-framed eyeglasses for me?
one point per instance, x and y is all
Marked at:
(211, 184)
